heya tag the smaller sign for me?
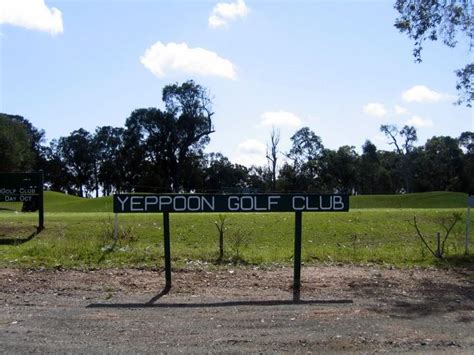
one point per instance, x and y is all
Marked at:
(26, 188)
(470, 201)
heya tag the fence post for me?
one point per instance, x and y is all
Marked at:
(40, 201)
(297, 258)
(468, 230)
(166, 235)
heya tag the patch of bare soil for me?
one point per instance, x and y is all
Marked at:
(342, 308)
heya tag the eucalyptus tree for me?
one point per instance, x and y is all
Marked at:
(16, 153)
(170, 139)
(403, 141)
(448, 20)
(77, 152)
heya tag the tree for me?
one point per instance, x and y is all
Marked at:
(403, 148)
(173, 139)
(339, 169)
(189, 107)
(221, 173)
(108, 145)
(306, 145)
(272, 154)
(438, 165)
(466, 141)
(78, 154)
(449, 20)
(56, 173)
(35, 139)
(16, 153)
(373, 177)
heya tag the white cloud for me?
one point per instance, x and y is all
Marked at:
(399, 110)
(161, 59)
(375, 109)
(31, 14)
(251, 152)
(224, 12)
(420, 122)
(421, 93)
(279, 119)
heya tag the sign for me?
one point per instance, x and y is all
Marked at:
(142, 203)
(470, 201)
(167, 203)
(19, 187)
(26, 188)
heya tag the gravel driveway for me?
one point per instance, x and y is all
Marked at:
(343, 308)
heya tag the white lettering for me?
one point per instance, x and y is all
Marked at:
(293, 202)
(198, 206)
(122, 202)
(27, 191)
(211, 206)
(235, 207)
(135, 203)
(308, 207)
(246, 198)
(175, 205)
(338, 204)
(255, 203)
(5, 191)
(321, 204)
(162, 202)
(271, 202)
(150, 200)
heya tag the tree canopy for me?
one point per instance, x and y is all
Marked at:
(448, 20)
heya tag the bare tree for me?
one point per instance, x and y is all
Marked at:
(403, 141)
(272, 154)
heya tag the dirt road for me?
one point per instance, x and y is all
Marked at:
(343, 308)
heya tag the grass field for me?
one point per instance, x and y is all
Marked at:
(79, 233)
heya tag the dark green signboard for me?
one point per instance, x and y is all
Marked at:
(141, 203)
(26, 188)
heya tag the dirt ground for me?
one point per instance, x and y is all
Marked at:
(343, 308)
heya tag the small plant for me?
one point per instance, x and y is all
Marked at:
(447, 223)
(238, 240)
(355, 243)
(110, 239)
(220, 225)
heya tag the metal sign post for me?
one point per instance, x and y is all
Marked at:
(167, 248)
(205, 203)
(470, 203)
(297, 257)
(40, 202)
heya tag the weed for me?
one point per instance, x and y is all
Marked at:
(239, 240)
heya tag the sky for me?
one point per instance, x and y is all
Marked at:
(338, 67)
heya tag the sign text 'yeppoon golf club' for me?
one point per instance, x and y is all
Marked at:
(131, 203)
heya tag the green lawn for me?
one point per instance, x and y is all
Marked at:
(382, 236)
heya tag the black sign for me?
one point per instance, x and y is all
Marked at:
(19, 187)
(142, 203)
(26, 188)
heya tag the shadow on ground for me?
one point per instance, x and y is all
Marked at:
(152, 303)
(16, 240)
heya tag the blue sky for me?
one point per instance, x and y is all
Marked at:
(339, 67)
